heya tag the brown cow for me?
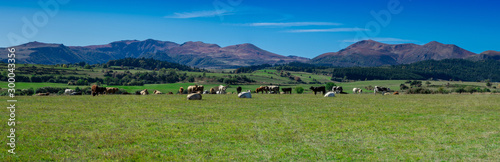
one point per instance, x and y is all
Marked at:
(144, 92)
(261, 89)
(195, 89)
(396, 93)
(96, 90)
(212, 91)
(181, 90)
(170, 93)
(111, 90)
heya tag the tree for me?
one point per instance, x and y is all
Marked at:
(87, 66)
(299, 90)
(488, 83)
(329, 85)
(428, 83)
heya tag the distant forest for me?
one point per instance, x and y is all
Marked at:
(447, 69)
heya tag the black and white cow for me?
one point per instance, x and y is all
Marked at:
(380, 89)
(337, 89)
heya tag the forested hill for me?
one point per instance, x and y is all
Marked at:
(150, 64)
(456, 69)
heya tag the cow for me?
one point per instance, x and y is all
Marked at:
(170, 93)
(380, 89)
(245, 94)
(357, 90)
(68, 91)
(181, 90)
(330, 94)
(261, 89)
(318, 89)
(111, 90)
(156, 92)
(218, 90)
(144, 92)
(274, 89)
(206, 92)
(337, 89)
(43, 94)
(194, 96)
(287, 90)
(238, 90)
(396, 93)
(96, 90)
(76, 93)
(195, 89)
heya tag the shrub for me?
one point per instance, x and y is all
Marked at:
(419, 90)
(329, 86)
(299, 90)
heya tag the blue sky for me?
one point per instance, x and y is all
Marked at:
(301, 28)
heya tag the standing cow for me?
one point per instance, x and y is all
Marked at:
(357, 90)
(318, 89)
(380, 89)
(238, 89)
(181, 90)
(337, 89)
(96, 90)
(287, 90)
(274, 89)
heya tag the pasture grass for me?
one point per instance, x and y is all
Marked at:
(263, 128)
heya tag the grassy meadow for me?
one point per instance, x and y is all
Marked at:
(266, 127)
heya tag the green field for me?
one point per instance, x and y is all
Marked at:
(264, 128)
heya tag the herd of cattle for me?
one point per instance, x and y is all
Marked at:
(194, 92)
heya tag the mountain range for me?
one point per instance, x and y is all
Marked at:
(203, 55)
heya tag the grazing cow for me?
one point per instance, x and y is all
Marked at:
(96, 90)
(111, 90)
(274, 89)
(261, 89)
(396, 93)
(380, 89)
(337, 89)
(76, 93)
(43, 94)
(181, 90)
(318, 89)
(156, 92)
(68, 91)
(287, 90)
(238, 90)
(330, 94)
(194, 96)
(144, 92)
(245, 94)
(170, 93)
(357, 90)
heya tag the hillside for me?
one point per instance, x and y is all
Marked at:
(371, 53)
(196, 54)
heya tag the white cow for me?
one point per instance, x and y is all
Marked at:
(330, 94)
(357, 90)
(68, 91)
(222, 89)
(245, 94)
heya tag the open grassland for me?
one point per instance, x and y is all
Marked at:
(265, 127)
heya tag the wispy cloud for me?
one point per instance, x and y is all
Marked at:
(290, 24)
(197, 14)
(326, 30)
(395, 40)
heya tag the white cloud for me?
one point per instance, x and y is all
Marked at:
(326, 30)
(395, 40)
(290, 24)
(197, 14)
